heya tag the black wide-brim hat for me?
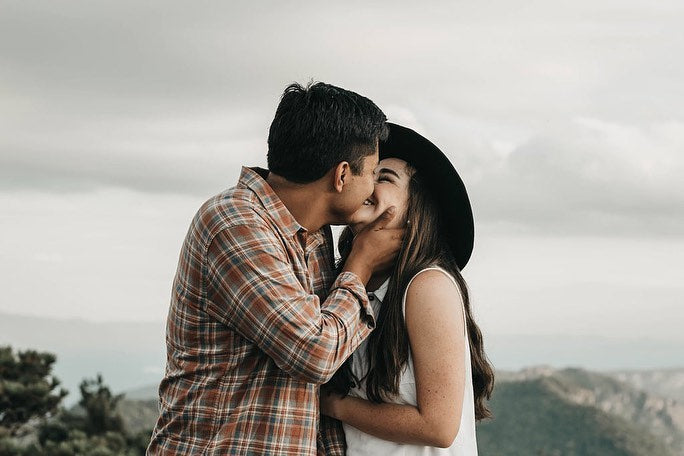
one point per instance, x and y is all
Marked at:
(443, 183)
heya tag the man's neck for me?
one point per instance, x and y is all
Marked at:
(304, 201)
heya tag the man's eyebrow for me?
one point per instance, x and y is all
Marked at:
(389, 171)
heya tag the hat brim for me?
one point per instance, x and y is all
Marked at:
(443, 183)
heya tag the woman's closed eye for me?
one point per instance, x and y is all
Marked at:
(387, 175)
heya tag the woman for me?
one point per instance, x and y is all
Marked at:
(429, 377)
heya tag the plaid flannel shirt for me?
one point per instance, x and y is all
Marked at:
(257, 322)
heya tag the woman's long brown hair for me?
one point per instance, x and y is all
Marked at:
(424, 245)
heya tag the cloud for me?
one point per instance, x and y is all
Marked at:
(579, 175)
(192, 154)
(561, 116)
(592, 176)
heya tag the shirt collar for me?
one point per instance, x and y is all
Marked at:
(255, 180)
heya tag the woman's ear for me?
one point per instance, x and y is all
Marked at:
(341, 176)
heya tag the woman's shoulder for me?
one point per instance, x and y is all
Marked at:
(433, 306)
(432, 284)
(431, 277)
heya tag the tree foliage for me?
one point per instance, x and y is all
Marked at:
(27, 388)
(28, 399)
(100, 406)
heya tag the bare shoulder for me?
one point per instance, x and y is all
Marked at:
(432, 284)
(431, 296)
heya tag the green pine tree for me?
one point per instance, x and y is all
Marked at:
(100, 406)
(28, 390)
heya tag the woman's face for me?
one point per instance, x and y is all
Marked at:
(392, 177)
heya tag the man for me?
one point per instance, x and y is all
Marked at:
(258, 319)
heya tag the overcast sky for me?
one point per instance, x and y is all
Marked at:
(566, 121)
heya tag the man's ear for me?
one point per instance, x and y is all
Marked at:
(341, 176)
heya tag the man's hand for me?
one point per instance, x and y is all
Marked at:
(375, 247)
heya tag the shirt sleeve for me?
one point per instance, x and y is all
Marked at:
(252, 288)
(331, 438)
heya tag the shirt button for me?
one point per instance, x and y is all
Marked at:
(370, 325)
(371, 297)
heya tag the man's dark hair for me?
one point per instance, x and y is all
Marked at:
(320, 125)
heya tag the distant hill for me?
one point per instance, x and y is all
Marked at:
(138, 415)
(662, 382)
(148, 392)
(574, 411)
(533, 417)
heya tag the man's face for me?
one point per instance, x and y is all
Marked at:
(357, 189)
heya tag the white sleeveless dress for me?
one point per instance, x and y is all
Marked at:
(360, 443)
